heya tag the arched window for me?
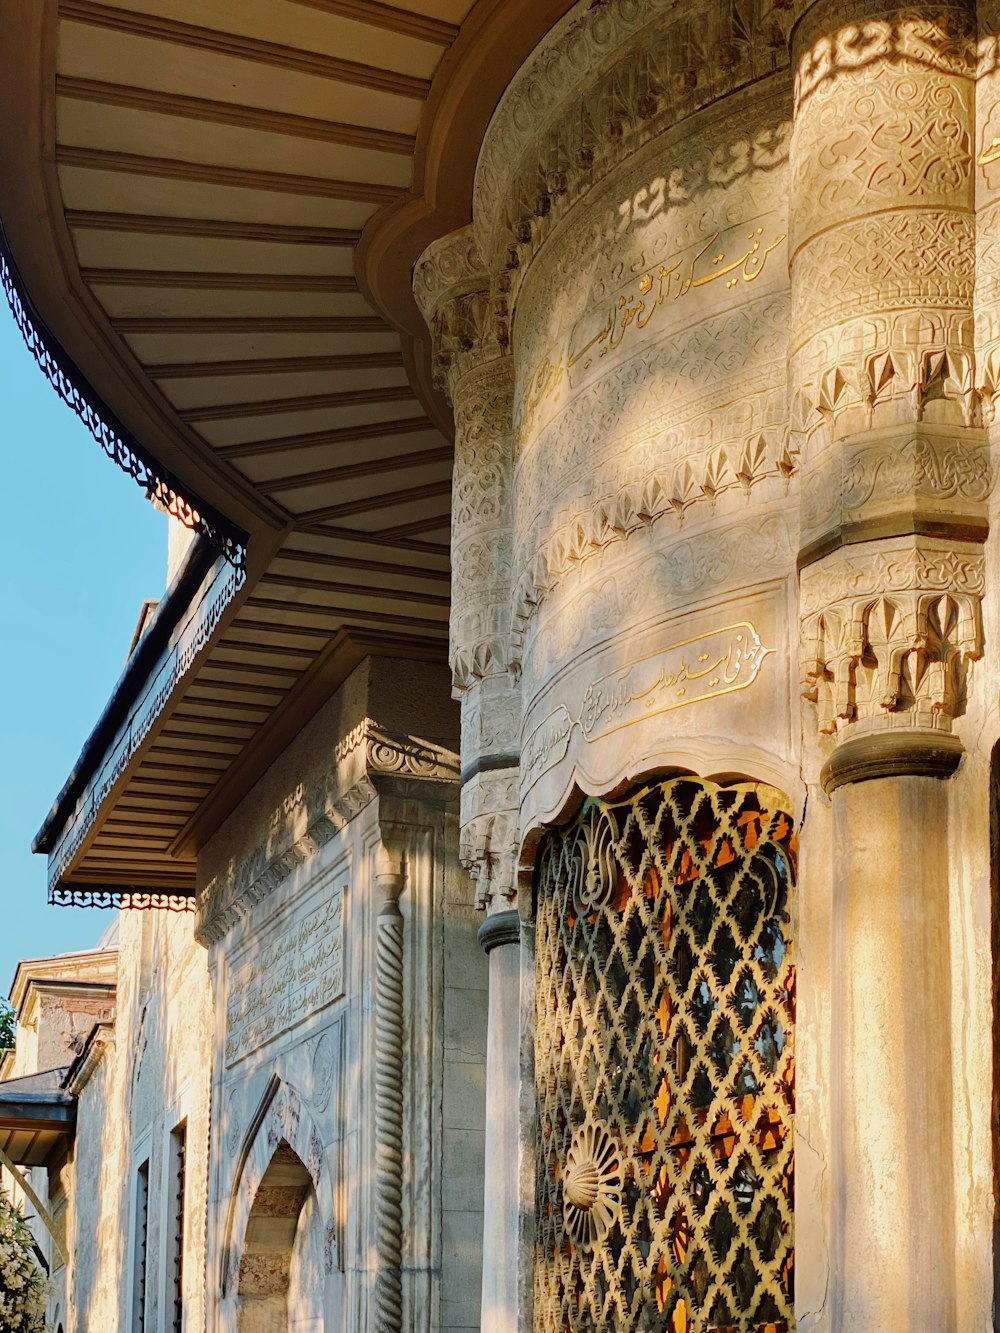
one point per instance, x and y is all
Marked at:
(665, 1075)
(281, 1276)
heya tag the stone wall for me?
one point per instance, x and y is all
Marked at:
(349, 1022)
(142, 1081)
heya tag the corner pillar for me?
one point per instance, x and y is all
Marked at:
(500, 936)
(895, 473)
(466, 311)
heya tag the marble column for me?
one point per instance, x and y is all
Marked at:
(466, 313)
(500, 936)
(895, 474)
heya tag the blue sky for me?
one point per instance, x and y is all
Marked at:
(80, 547)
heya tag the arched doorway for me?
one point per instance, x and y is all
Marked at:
(281, 1273)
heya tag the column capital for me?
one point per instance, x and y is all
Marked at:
(500, 929)
(464, 306)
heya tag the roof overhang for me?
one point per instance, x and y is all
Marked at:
(215, 223)
(35, 1127)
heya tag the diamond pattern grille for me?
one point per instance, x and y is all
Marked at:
(664, 1052)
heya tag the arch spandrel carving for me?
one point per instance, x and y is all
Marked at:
(282, 1117)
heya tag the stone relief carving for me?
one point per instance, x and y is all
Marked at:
(282, 1118)
(889, 631)
(877, 473)
(450, 266)
(722, 173)
(896, 261)
(490, 837)
(328, 805)
(674, 573)
(834, 40)
(481, 525)
(675, 676)
(682, 479)
(560, 128)
(323, 1071)
(896, 137)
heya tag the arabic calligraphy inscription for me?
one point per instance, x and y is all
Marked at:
(637, 306)
(688, 672)
(298, 972)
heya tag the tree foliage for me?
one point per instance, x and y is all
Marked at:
(24, 1290)
(7, 1025)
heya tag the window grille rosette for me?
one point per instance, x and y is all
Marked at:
(665, 1075)
(592, 1185)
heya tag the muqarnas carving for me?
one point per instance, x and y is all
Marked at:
(889, 636)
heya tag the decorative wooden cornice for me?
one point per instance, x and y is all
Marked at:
(320, 439)
(230, 113)
(158, 224)
(387, 16)
(275, 365)
(274, 182)
(275, 406)
(242, 48)
(367, 468)
(213, 280)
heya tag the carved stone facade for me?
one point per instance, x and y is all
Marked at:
(322, 943)
(712, 770)
(720, 344)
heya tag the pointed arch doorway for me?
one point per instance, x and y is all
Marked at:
(281, 1272)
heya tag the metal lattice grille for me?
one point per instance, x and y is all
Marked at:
(665, 1074)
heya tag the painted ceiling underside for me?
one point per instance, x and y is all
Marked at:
(184, 204)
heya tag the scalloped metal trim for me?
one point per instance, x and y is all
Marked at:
(76, 895)
(117, 442)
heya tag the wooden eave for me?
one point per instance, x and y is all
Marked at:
(35, 1124)
(216, 208)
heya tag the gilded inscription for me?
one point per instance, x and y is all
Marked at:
(636, 307)
(298, 972)
(713, 664)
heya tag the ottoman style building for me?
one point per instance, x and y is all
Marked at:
(676, 325)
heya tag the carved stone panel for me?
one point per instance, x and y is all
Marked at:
(297, 971)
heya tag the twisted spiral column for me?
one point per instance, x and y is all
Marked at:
(389, 1110)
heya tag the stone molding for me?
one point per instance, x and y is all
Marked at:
(381, 761)
(100, 1041)
(895, 754)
